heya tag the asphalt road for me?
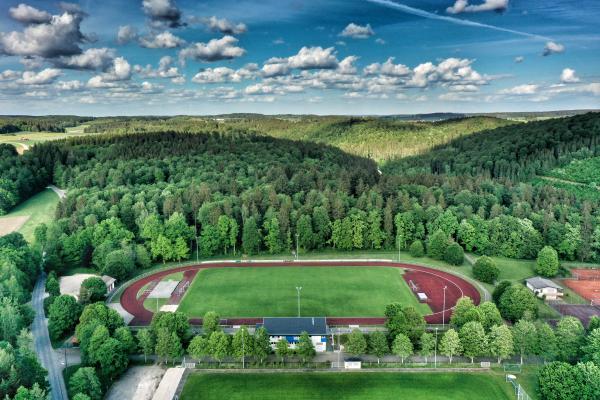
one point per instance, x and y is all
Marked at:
(43, 347)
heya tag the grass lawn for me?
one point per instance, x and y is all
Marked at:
(175, 276)
(31, 138)
(40, 208)
(546, 312)
(348, 386)
(326, 291)
(154, 305)
(514, 270)
(571, 297)
(529, 380)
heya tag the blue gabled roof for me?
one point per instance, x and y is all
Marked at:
(281, 326)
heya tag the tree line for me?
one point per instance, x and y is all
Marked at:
(56, 123)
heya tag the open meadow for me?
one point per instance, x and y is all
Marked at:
(26, 216)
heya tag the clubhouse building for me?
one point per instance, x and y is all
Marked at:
(291, 329)
(544, 288)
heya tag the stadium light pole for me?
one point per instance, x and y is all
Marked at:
(444, 308)
(435, 351)
(243, 352)
(339, 348)
(297, 248)
(298, 289)
(197, 247)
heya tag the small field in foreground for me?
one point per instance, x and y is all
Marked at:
(38, 209)
(347, 386)
(326, 291)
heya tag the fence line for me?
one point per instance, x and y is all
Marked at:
(520, 393)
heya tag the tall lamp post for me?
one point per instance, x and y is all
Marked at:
(297, 248)
(435, 351)
(298, 289)
(243, 352)
(444, 308)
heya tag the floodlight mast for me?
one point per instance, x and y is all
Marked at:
(444, 308)
(436, 343)
(298, 289)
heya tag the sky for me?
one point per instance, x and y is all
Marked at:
(170, 57)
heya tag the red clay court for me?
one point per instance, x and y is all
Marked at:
(586, 283)
(428, 280)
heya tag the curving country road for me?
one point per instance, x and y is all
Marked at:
(43, 347)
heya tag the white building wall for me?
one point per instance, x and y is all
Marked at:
(320, 342)
(548, 292)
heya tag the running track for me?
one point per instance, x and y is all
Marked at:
(428, 280)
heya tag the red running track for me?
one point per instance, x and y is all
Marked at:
(428, 280)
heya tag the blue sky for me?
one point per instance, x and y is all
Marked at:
(292, 56)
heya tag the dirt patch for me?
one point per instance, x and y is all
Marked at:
(72, 283)
(11, 224)
(138, 383)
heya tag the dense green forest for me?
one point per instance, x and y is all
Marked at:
(55, 123)
(377, 138)
(136, 197)
(516, 153)
(142, 196)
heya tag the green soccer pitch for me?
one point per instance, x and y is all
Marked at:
(271, 292)
(348, 386)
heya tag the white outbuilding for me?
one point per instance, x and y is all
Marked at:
(544, 288)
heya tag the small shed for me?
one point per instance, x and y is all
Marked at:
(544, 288)
(109, 281)
(352, 363)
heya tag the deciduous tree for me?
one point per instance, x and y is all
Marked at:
(356, 344)
(473, 340)
(402, 346)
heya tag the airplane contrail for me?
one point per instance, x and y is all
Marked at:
(453, 20)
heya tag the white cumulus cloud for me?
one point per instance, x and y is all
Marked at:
(29, 15)
(357, 31)
(126, 34)
(91, 59)
(164, 40)
(521, 90)
(215, 50)
(162, 12)
(568, 76)
(461, 6)
(224, 26)
(42, 77)
(553, 48)
(225, 74)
